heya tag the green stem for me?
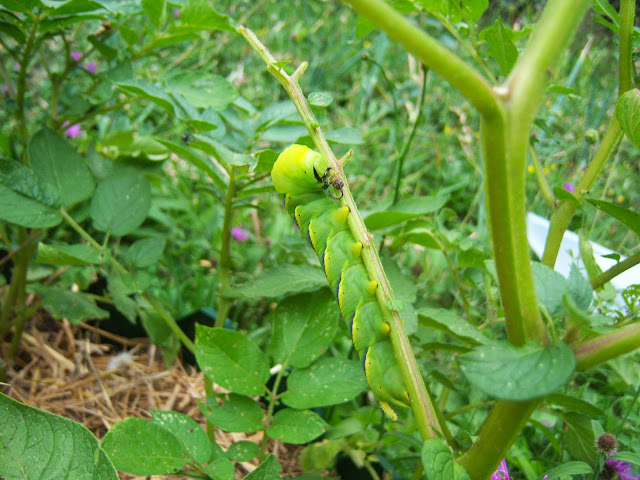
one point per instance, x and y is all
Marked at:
(545, 190)
(561, 218)
(616, 270)
(625, 68)
(224, 303)
(155, 304)
(22, 79)
(273, 396)
(426, 415)
(431, 53)
(18, 283)
(601, 348)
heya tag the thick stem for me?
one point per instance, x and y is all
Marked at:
(625, 69)
(616, 270)
(601, 348)
(18, 283)
(224, 303)
(425, 412)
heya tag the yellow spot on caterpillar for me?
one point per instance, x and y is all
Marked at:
(389, 411)
(371, 287)
(356, 249)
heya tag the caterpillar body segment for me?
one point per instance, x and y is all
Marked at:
(303, 177)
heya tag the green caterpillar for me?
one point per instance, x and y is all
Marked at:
(303, 176)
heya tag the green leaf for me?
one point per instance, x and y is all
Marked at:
(221, 469)
(629, 457)
(579, 438)
(121, 203)
(196, 445)
(243, 451)
(74, 306)
(222, 153)
(574, 404)
(145, 252)
(213, 170)
(346, 136)
(550, 287)
(140, 447)
(303, 328)
(231, 360)
(147, 90)
(569, 468)
(280, 281)
(513, 373)
(203, 90)
(200, 15)
(120, 292)
(329, 381)
(320, 99)
(405, 210)
(628, 114)
(449, 322)
(55, 161)
(501, 47)
(438, 462)
(233, 413)
(23, 211)
(79, 254)
(23, 180)
(580, 289)
(156, 10)
(296, 426)
(628, 217)
(37, 444)
(269, 469)
(562, 194)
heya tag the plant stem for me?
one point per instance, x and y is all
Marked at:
(18, 283)
(224, 303)
(545, 190)
(22, 79)
(625, 68)
(616, 270)
(431, 53)
(426, 415)
(601, 348)
(561, 218)
(155, 304)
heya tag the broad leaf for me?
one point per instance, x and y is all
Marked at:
(143, 448)
(121, 203)
(23, 180)
(296, 426)
(203, 90)
(269, 469)
(281, 281)
(194, 439)
(439, 463)
(501, 47)
(329, 381)
(37, 444)
(233, 413)
(55, 161)
(579, 438)
(145, 252)
(26, 212)
(200, 15)
(628, 217)
(303, 328)
(79, 254)
(345, 135)
(569, 468)
(74, 306)
(628, 114)
(405, 210)
(231, 360)
(242, 451)
(513, 373)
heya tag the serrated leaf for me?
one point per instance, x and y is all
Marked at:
(280, 281)
(628, 217)
(242, 451)
(37, 444)
(296, 426)
(513, 373)
(439, 463)
(501, 47)
(303, 328)
(55, 161)
(74, 306)
(233, 413)
(121, 203)
(145, 252)
(329, 381)
(140, 447)
(195, 442)
(231, 360)
(405, 210)
(79, 254)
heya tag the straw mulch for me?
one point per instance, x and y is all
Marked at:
(97, 378)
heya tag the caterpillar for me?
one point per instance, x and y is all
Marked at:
(303, 177)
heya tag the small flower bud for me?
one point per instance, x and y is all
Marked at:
(606, 443)
(591, 136)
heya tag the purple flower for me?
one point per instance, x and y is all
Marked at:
(239, 234)
(76, 55)
(176, 13)
(502, 473)
(568, 187)
(91, 67)
(623, 469)
(5, 89)
(73, 131)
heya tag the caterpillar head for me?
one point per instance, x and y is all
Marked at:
(297, 170)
